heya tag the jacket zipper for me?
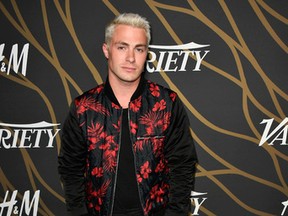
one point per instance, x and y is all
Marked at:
(116, 173)
(140, 198)
(150, 137)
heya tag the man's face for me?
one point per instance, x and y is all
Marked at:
(126, 54)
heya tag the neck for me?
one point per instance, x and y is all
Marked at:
(123, 91)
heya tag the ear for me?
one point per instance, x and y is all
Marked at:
(105, 50)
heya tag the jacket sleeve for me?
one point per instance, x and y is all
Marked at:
(181, 155)
(71, 164)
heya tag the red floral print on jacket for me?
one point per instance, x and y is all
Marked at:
(145, 170)
(154, 90)
(87, 103)
(152, 120)
(159, 106)
(95, 134)
(95, 198)
(97, 171)
(156, 195)
(136, 104)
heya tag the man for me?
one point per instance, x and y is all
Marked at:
(126, 144)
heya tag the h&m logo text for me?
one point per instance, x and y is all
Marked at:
(14, 62)
(11, 206)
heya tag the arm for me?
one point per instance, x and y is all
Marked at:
(71, 164)
(182, 159)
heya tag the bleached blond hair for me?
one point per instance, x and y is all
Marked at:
(130, 19)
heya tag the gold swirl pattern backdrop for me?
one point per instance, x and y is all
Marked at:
(234, 86)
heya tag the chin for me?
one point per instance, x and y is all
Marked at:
(131, 79)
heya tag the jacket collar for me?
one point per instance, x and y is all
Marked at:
(109, 92)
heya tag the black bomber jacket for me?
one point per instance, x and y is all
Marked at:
(163, 148)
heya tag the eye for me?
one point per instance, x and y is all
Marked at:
(121, 47)
(140, 50)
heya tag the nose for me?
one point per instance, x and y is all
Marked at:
(130, 56)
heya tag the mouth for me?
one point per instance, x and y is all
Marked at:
(129, 69)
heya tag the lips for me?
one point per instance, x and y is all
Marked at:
(129, 68)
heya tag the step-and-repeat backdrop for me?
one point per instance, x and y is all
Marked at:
(227, 60)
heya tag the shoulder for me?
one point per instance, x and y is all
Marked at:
(90, 94)
(158, 90)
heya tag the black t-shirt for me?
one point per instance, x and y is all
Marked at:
(127, 196)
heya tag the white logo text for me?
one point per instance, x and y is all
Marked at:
(280, 132)
(175, 58)
(28, 135)
(26, 205)
(14, 62)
